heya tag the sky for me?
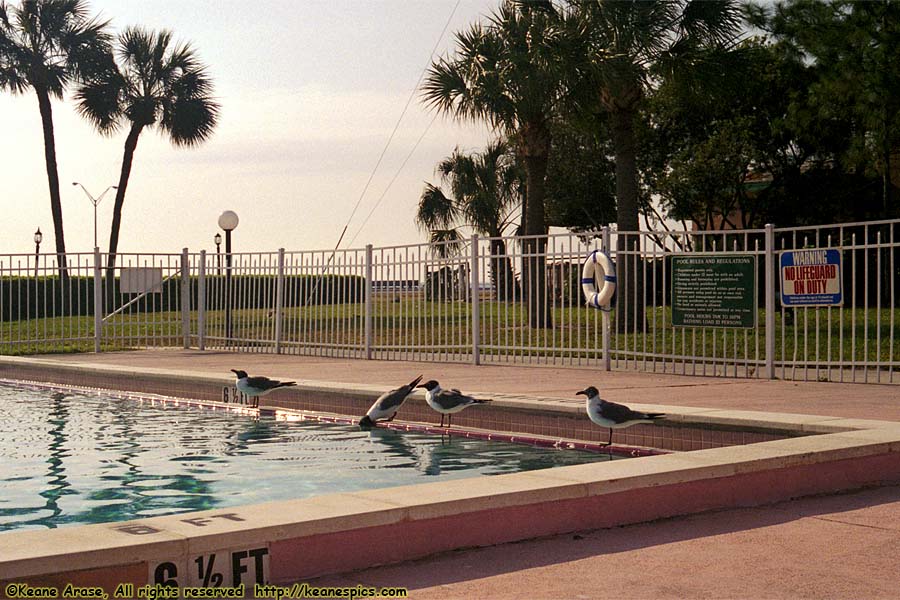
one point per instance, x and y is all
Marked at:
(310, 92)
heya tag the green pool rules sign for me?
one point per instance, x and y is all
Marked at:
(714, 290)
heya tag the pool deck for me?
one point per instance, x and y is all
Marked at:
(845, 545)
(848, 400)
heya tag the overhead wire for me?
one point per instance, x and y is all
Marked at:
(409, 100)
(393, 179)
(381, 157)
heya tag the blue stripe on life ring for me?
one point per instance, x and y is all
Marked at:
(611, 278)
(590, 280)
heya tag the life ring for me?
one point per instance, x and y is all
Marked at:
(598, 267)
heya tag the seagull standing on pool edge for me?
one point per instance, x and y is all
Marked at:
(254, 387)
(612, 415)
(388, 404)
(447, 402)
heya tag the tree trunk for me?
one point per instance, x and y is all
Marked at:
(127, 159)
(629, 304)
(534, 272)
(502, 272)
(53, 179)
(886, 154)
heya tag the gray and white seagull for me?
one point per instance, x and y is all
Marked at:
(447, 402)
(612, 415)
(254, 387)
(387, 405)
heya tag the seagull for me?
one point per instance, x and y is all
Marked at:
(612, 415)
(447, 402)
(255, 387)
(388, 404)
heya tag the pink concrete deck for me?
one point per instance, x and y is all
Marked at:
(863, 401)
(844, 546)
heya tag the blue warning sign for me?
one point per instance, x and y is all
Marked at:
(811, 277)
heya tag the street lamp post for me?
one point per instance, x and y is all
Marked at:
(38, 237)
(218, 241)
(95, 202)
(228, 220)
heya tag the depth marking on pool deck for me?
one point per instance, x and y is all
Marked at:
(287, 541)
(223, 568)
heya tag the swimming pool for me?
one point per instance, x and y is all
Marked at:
(334, 533)
(68, 457)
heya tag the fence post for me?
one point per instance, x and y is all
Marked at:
(201, 301)
(185, 298)
(770, 301)
(607, 359)
(368, 303)
(279, 300)
(98, 300)
(475, 283)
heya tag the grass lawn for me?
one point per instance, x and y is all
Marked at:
(817, 335)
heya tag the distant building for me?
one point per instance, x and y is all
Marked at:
(395, 285)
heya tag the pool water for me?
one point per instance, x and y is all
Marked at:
(73, 458)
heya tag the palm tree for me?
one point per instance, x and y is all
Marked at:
(487, 190)
(509, 73)
(628, 45)
(156, 83)
(46, 45)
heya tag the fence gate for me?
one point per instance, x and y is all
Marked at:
(141, 299)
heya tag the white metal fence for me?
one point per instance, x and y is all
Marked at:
(470, 302)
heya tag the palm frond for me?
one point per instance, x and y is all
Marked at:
(505, 72)
(436, 210)
(98, 101)
(445, 242)
(162, 82)
(485, 187)
(50, 44)
(190, 120)
(711, 22)
(88, 46)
